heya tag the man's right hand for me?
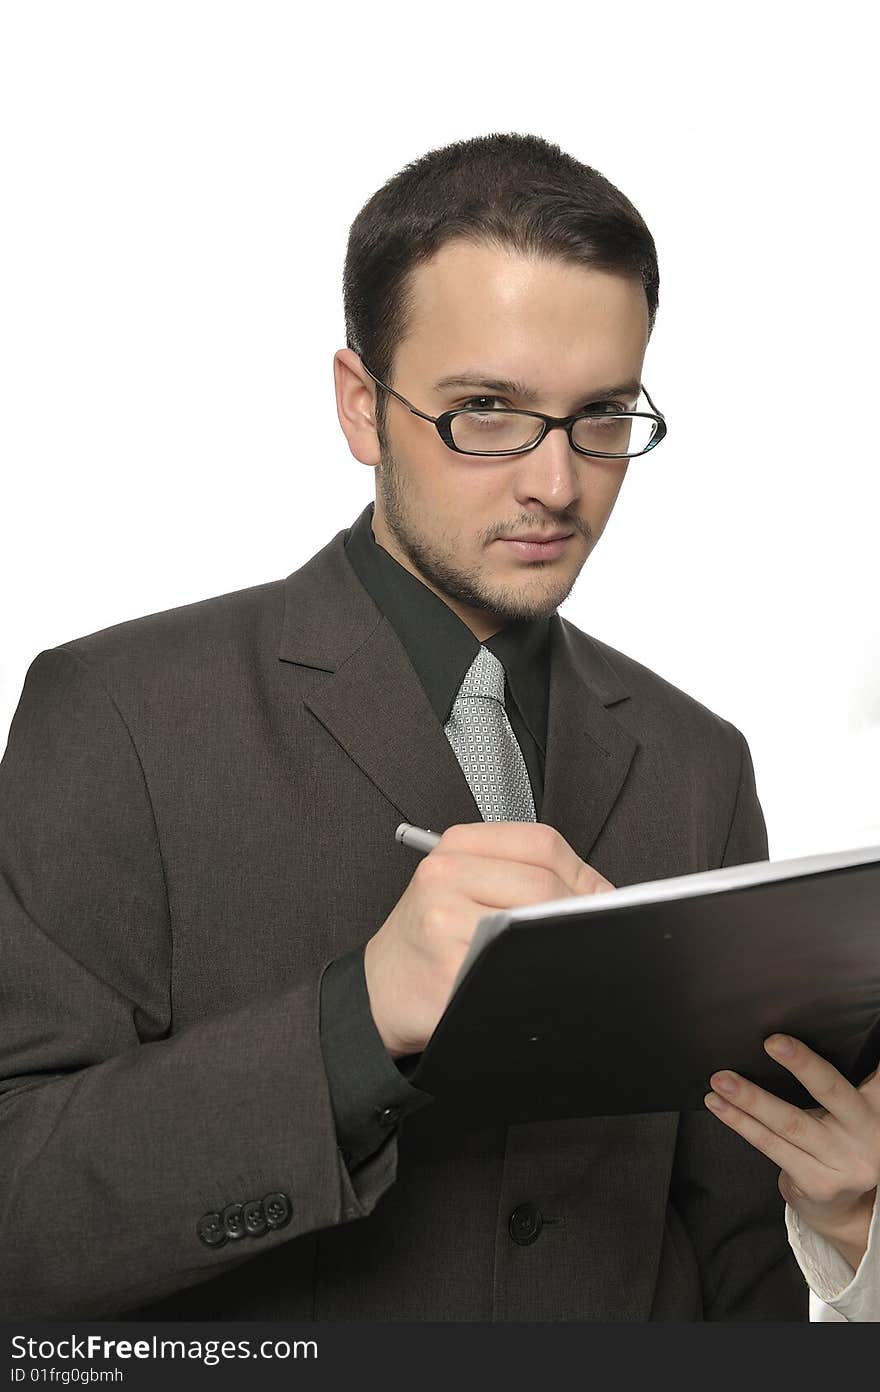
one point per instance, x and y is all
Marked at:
(476, 868)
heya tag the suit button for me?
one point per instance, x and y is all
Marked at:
(277, 1209)
(233, 1221)
(389, 1116)
(255, 1218)
(525, 1224)
(210, 1230)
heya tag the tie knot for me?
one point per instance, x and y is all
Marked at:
(484, 677)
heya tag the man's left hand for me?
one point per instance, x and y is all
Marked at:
(829, 1156)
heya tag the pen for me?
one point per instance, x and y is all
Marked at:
(416, 837)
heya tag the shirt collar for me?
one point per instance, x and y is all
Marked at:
(439, 644)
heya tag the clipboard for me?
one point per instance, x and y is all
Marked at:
(626, 1001)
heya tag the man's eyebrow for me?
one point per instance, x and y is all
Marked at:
(508, 386)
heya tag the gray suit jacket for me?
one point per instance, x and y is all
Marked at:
(197, 812)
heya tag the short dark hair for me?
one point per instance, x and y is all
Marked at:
(513, 191)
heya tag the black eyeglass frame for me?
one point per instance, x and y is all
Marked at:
(567, 423)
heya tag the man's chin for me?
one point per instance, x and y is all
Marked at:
(510, 608)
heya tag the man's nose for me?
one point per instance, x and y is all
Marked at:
(549, 473)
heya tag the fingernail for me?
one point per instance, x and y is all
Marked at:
(780, 1044)
(714, 1103)
(723, 1082)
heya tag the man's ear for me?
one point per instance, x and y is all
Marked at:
(356, 406)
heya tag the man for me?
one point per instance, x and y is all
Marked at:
(221, 969)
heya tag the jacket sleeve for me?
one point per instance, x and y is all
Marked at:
(120, 1136)
(724, 1189)
(369, 1091)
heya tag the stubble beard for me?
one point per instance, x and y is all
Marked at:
(437, 564)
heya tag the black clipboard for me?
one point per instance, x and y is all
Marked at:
(627, 1001)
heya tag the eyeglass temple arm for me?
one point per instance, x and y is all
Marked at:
(408, 404)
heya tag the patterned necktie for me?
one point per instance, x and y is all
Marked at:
(485, 745)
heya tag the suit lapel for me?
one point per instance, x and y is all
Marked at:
(372, 703)
(375, 707)
(588, 751)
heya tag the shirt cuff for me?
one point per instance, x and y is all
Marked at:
(854, 1294)
(369, 1092)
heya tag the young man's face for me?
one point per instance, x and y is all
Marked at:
(567, 333)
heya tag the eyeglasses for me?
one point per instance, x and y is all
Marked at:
(596, 431)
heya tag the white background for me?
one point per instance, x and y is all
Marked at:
(179, 179)
(178, 182)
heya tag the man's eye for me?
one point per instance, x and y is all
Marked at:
(604, 408)
(477, 403)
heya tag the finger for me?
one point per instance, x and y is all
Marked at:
(531, 843)
(501, 884)
(820, 1078)
(804, 1171)
(792, 1124)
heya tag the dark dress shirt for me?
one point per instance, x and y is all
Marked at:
(369, 1092)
